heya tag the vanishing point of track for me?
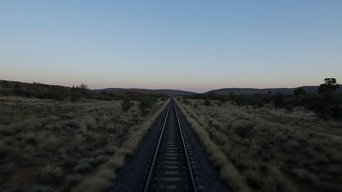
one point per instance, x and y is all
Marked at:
(170, 168)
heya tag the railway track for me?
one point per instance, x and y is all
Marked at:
(169, 158)
(171, 168)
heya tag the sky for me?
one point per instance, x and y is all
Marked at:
(195, 45)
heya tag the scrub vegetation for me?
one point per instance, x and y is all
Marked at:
(266, 148)
(325, 102)
(66, 144)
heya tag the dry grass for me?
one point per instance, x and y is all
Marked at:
(227, 170)
(106, 173)
(47, 145)
(269, 150)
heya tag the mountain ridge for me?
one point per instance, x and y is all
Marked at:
(176, 92)
(170, 92)
(251, 91)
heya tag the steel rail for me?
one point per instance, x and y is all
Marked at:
(148, 181)
(186, 152)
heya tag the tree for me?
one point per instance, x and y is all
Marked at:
(83, 86)
(326, 103)
(80, 91)
(278, 100)
(299, 94)
(328, 87)
(299, 91)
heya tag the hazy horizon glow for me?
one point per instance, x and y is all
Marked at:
(190, 45)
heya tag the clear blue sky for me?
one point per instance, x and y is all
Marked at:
(194, 45)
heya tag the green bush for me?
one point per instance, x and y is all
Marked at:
(146, 103)
(126, 105)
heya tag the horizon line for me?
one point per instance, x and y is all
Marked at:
(176, 89)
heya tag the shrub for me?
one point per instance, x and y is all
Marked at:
(334, 111)
(206, 103)
(289, 108)
(254, 181)
(73, 180)
(325, 106)
(278, 100)
(146, 103)
(243, 131)
(50, 175)
(126, 105)
(83, 167)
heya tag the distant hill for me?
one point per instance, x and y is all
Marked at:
(252, 91)
(63, 93)
(169, 92)
(43, 91)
